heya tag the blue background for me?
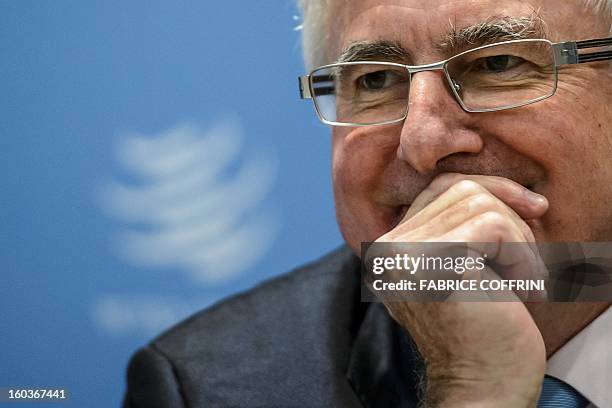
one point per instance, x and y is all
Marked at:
(74, 75)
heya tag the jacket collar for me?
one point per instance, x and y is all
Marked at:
(384, 367)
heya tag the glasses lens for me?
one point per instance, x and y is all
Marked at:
(504, 75)
(362, 94)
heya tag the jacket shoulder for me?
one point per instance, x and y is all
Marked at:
(254, 342)
(270, 305)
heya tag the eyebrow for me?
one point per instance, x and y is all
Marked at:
(374, 51)
(494, 29)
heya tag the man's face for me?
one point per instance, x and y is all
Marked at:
(560, 147)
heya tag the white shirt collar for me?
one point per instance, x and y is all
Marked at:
(585, 362)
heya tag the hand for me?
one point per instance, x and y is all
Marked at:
(477, 354)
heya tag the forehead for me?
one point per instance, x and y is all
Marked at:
(419, 23)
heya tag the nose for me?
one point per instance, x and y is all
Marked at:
(435, 126)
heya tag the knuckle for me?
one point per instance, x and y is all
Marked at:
(500, 226)
(495, 220)
(485, 201)
(469, 187)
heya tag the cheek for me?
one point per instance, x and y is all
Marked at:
(584, 170)
(576, 136)
(566, 143)
(574, 148)
(360, 157)
(584, 110)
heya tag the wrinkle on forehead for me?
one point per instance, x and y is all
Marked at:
(422, 23)
(495, 29)
(413, 23)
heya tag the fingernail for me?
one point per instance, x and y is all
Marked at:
(535, 198)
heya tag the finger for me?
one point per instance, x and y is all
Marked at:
(526, 203)
(466, 197)
(455, 215)
(503, 243)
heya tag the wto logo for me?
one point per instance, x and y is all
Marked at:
(194, 203)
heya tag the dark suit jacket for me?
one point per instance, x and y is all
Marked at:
(303, 339)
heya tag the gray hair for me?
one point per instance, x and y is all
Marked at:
(314, 27)
(314, 31)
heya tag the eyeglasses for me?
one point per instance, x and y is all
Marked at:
(490, 78)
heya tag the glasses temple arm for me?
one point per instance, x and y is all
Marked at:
(304, 83)
(595, 56)
(567, 52)
(600, 42)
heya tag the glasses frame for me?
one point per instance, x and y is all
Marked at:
(564, 53)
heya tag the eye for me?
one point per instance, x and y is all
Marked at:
(499, 63)
(379, 80)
